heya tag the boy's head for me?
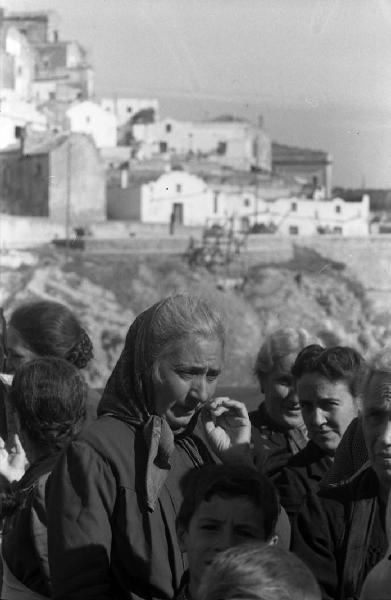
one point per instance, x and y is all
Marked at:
(223, 507)
(259, 572)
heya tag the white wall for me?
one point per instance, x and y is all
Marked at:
(350, 218)
(204, 137)
(22, 114)
(88, 117)
(177, 187)
(125, 108)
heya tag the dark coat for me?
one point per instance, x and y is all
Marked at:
(278, 444)
(114, 496)
(301, 477)
(340, 535)
(24, 545)
(103, 541)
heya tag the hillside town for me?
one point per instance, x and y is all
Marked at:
(195, 321)
(70, 161)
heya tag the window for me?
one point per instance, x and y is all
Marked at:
(168, 127)
(38, 170)
(178, 188)
(338, 209)
(163, 147)
(294, 206)
(246, 202)
(129, 109)
(221, 148)
(293, 230)
(216, 202)
(88, 119)
(338, 230)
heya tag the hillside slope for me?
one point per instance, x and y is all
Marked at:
(107, 292)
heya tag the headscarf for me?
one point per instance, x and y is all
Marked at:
(128, 396)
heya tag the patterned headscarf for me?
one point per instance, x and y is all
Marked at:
(128, 396)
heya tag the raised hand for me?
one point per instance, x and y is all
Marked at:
(228, 429)
(12, 464)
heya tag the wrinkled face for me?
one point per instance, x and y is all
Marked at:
(377, 425)
(218, 524)
(187, 379)
(281, 401)
(328, 407)
(18, 352)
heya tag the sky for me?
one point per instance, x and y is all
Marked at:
(319, 71)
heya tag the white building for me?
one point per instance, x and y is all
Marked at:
(234, 143)
(15, 115)
(17, 65)
(89, 117)
(176, 195)
(125, 108)
(299, 216)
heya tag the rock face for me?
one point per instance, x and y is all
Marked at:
(107, 292)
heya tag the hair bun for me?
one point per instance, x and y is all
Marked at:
(81, 352)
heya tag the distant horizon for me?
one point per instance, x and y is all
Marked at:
(319, 72)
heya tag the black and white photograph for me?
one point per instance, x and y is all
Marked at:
(195, 299)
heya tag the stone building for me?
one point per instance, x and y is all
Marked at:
(312, 168)
(61, 179)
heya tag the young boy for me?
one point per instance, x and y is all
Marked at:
(223, 506)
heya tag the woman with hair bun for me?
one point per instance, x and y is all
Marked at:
(48, 396)
(46, 328)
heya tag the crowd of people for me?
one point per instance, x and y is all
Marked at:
(159, 488)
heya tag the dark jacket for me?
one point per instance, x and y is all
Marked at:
(24, 545)
(103, 541)
(278, 444)
(340, 535)
(301, 477)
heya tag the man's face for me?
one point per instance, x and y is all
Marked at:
(219, 523)
(377, 426)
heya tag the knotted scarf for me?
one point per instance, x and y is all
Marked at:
(128, 396)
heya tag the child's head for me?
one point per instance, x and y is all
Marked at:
(49, 396)
(222, 507)
(258, 572)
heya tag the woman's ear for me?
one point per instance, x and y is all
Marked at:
(273, 540)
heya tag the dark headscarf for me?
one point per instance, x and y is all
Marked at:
(128, 396)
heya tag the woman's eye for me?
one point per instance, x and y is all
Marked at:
(207, 527)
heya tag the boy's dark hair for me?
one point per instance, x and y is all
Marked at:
(51, 329)
(49, 396)
(336, 363)
(233, 481)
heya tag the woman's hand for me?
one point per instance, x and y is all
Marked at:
(12, 464)
(228, 429)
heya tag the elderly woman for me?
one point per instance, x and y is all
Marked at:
(279, 418)
(115, 494)
(48, 396)
(328, 383)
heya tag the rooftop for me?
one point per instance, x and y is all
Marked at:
(283, 153)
